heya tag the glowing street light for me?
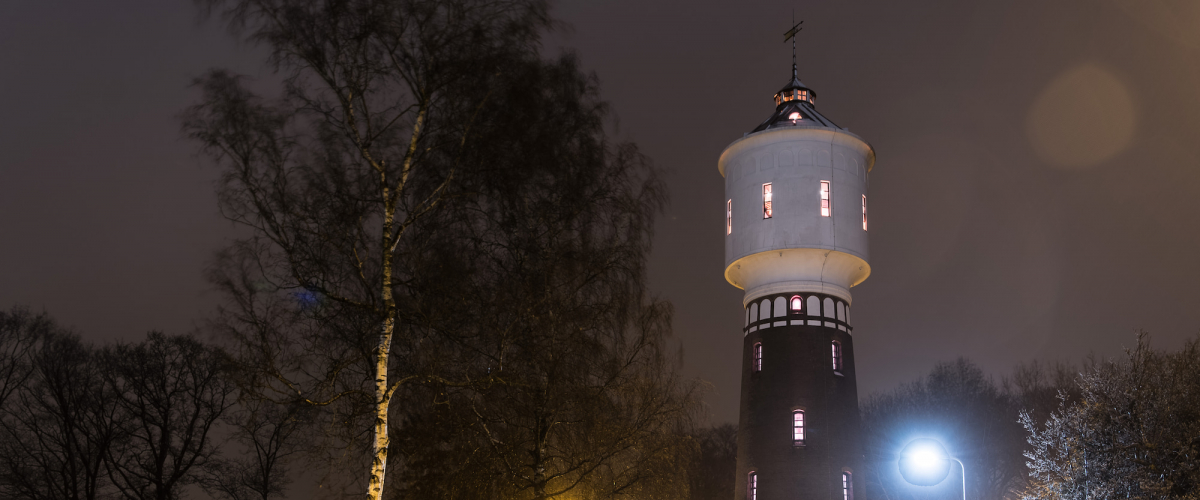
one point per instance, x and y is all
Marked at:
(924, 462)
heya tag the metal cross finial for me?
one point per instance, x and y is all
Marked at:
(791, 35)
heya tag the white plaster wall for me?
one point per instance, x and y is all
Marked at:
(807, 252)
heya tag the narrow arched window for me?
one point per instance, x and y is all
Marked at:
(847, 486)
(729, 216)
(837, 356)
(797, 304)
(826, 207)
(767, 211)
(864, 212)
(752, 486)
(757, 362)
(798, 427)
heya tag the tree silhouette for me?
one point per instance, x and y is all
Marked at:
(171, 392)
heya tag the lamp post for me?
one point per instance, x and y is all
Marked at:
(924, 462)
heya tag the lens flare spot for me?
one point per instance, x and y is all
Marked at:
(1082, 118)
(1175, 19)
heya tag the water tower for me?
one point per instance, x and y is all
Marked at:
(796, 225)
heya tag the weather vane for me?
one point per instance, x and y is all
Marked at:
(791, 35)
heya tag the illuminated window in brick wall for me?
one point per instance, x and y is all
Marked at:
(798, 427)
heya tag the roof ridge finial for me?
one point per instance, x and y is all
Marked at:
(791, 35)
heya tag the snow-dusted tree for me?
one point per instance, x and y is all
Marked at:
(1133, 433)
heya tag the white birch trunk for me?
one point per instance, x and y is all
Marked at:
(380, 446)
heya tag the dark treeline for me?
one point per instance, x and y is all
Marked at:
(77, 422)
(171, 416)
(168, 415)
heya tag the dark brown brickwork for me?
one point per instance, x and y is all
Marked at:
(797, 373)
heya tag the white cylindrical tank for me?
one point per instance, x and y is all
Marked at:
(801, 246)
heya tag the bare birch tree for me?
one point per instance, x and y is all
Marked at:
(380, 107)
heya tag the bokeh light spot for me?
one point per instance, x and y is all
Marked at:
(1083, 117)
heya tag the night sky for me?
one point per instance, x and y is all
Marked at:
(1036, 194)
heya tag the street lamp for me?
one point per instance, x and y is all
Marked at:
(924, 462)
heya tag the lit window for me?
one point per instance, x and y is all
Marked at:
(837, 356)
(825, 208)
(864, 212)
(847, 486)
(797, 304)
(752, 486)
(767, 201)
(729, 216)
(798, 427)
(758, 357)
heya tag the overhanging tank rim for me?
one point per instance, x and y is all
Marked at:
(870, 148)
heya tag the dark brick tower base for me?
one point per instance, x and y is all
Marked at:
(797, 373)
